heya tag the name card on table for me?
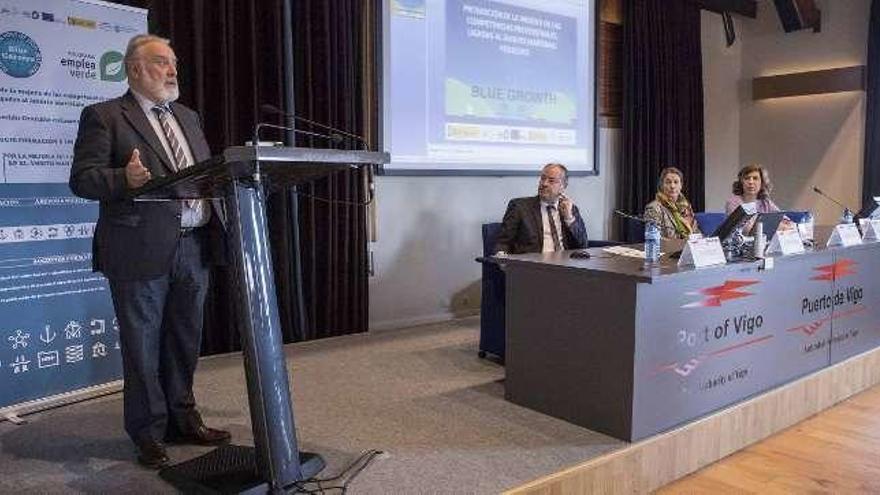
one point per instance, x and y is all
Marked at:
(786, 242)
(845, 235)
(702, 252)
(805, 229)
(870, 229)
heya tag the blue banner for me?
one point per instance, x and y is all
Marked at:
(58, 333)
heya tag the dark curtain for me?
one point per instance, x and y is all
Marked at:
(871, 176)
(230, 54)
(331, 88)
(662, 100)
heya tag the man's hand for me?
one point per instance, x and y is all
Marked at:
(136, 174)
(566, 208)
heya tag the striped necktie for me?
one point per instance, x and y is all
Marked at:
(554, 233)
(178, 157)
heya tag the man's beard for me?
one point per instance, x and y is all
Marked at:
(167, 94)
(170, 94)
(546, 196)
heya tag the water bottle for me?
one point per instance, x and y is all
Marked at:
(847, 216)
(760, 244)
(652, 242)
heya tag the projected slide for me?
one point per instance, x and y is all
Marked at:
(489, 86)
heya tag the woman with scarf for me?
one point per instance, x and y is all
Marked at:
(670, 210)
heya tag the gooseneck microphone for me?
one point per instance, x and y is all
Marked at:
(629, 216)
(261, 125)
(336, 134)
(846, 209)
(335, 138)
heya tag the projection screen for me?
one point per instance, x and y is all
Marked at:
(488, 87)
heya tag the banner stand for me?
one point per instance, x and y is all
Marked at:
(13, 413)
(59, 338)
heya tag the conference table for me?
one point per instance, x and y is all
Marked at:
(631, 350)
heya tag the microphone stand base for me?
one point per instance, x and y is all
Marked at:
(231, 469)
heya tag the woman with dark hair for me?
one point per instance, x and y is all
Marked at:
(752, 185)
(670, 210)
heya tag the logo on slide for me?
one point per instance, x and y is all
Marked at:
(19, 55)
(112, 67)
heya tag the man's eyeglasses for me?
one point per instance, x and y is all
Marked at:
(163, 62)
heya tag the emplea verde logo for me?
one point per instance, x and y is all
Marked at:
(112, 66)
(19, 55)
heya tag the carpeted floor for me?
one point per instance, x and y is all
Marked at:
(420, 395)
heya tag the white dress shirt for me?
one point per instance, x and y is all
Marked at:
(194, 213)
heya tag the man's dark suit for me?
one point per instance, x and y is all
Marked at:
(158, 273)
(522, 229)
(108, 132)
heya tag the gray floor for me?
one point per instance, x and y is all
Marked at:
(421, 395)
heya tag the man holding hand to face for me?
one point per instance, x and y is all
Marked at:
(155, 255)
(543, 223)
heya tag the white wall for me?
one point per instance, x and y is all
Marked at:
(803, 140)
(722, 71)
(429, 235)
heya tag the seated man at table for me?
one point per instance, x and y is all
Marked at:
(544, 223)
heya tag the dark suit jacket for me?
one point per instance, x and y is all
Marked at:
(522, 230)
(133, 240)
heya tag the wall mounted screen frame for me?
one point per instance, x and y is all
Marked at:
(482, 87)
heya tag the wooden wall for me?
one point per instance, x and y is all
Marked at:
(609, 68)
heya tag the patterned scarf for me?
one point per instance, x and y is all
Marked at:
(681, 212)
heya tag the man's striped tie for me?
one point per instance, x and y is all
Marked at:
(179, 158)
(551, 216)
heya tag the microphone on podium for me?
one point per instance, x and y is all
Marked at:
(336, 134)
(261, 125)
(847, 212)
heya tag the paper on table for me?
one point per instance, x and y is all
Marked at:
(626, 251)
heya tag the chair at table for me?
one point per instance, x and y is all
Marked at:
(796, 216)
(708, 221)
(634, 231)
(492, 298)
(492, 302)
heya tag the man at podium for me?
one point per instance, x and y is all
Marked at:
(155, 255)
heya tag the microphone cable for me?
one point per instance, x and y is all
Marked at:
(343, 478)
(371, 191)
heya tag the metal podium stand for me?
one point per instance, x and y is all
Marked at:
(240, 176)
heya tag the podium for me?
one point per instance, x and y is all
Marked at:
(240, 178)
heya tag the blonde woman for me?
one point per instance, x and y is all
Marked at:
(670, 210)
